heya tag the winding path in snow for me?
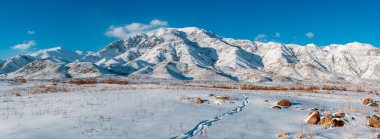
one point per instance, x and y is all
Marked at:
(207, 123)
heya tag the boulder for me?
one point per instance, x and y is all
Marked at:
(284, 103)
(339, 115)
(367, 100)
(313, 118)
(223, 97)
(373, 104)
(276, 107)
(198, 100)
(184, 98)
(314, 109)
(325, 120)
(373, 121)
(337, 123)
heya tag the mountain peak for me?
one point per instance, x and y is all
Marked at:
(59, 51)
(190, 29)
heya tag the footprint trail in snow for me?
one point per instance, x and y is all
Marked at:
(207, 123)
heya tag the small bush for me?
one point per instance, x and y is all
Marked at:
(111, 81)
(83, 81)
(93, 81)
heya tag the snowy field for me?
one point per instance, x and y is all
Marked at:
(164, 111)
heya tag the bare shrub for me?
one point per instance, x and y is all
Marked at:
(301, 134)
(111, 81)
(93, 81)
(21, 80)
(223, 87)
(359, 89)
(282, 134)
(83, 81)
(44, 89)
(334, 88)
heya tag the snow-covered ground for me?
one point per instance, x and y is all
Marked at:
(164, 111)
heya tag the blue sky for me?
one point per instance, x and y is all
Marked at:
(29, 25)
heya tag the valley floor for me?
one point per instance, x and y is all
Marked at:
(42, 110)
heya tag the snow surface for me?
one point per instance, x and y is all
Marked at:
(156, 111)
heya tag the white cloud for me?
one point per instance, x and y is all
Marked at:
(31, 32)
(277, 34)
(25, 46)
(157, 22)
(134, 28)
(309, 35)
(261, 38)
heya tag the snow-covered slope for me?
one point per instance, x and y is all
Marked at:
(42, 69)
(193, 53)
(14, 63)
(53, 68)
(60, 52)
(84, 70)
(196, 54)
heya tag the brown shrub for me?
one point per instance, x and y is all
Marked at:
(44, 89)
(312, 88)
(223, 97)
(359, 89)
(21, 80)
(111, 81)
(223, 87)
(93, 81)
(334, 88)
(83, 81)
(282, 134)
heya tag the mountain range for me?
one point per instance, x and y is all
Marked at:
(195, 54)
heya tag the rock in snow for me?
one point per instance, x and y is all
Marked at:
(196, 54)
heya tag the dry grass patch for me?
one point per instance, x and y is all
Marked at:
(93, 81)
(83, 81)
(18, 94)
(308, 88)
(282, 134)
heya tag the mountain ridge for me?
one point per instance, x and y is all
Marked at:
(192, 53)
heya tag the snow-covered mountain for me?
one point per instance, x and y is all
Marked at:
(14, 63)
(196, 54)
(60, 52)
(55, 68)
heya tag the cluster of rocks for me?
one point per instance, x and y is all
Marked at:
(217, 99)
(284, 103)
(372, 120)
(329, 120)
(370, 102)
(222, 99)
(334, 119)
